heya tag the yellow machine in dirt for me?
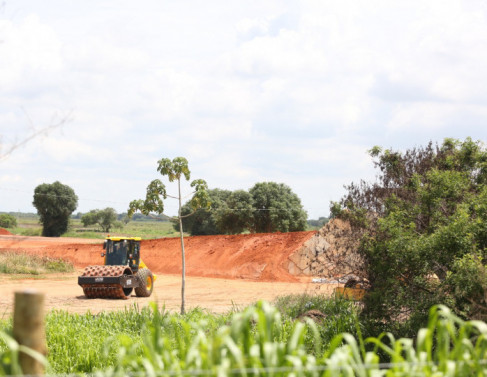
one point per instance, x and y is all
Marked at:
(123, 271)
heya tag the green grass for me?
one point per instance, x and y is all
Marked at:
(87, 342)
(29, 226)
(19, 263)
(259, 341)
(144, 229)
(340, 315)
(148, 229)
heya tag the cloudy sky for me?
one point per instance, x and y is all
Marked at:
(248, 91)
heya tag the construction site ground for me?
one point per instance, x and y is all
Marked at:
(222, 272)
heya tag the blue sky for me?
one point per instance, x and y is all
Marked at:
(248, 91)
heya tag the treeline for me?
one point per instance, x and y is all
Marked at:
(318, 223)
(267, 207)
(122, 217)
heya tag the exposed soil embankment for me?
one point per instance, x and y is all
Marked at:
(262, 257)
(285, 257)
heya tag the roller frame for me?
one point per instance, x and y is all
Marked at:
(125, 281)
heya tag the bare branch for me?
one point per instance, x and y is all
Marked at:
(189, 214)
(43, 131)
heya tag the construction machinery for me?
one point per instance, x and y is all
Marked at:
(122, 272)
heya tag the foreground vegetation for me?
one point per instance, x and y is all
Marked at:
(257, 341)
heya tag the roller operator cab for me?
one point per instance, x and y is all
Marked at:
(123, 271)
(122, 252)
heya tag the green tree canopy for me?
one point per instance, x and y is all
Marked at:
(54, 203)
(318, 223)
(204, 221)
(90, 218)
(7, 221)
(238, 215)
(267, 207)
(423, 226)
(105, 218)
(276, 208)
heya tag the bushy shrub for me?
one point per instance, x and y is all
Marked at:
(422, 222)
(7, 221)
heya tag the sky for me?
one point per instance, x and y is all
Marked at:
(294, 92)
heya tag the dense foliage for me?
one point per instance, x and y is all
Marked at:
(54, 203)
(230, 213)
(7, 221)
(277, 208)
(423, 226)
(105, 219)
(267, 207)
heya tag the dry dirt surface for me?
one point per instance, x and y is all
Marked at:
(222, 272)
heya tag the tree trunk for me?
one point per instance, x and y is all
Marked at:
(183, 269)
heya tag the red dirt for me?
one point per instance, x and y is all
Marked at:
(222, 271)
(262, 257)
(4, 232)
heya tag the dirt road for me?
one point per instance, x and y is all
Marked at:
(216, 295)
(224, 272)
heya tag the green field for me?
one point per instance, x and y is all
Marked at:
(28, 225)
(86, 343)
(147, 229)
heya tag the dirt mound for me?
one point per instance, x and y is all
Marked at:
(262, 257)
(4, 232)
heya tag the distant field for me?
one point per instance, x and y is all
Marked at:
(147, 229)
(28, 225)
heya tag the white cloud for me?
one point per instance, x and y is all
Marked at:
(7, 179)
(30, 50)
(248, 91)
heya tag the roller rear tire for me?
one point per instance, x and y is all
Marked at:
(147, 279)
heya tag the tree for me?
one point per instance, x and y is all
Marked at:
(156, 194)
(238, 214)
(7, 221)
(106, 218)
(276, 208)
(90, 218)
(318, 223)
(268, 207)
(54, 203)
(213, 220)
(423, 232)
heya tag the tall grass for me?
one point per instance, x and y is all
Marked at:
(19, 263)
(256, 342)
(339, 315)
